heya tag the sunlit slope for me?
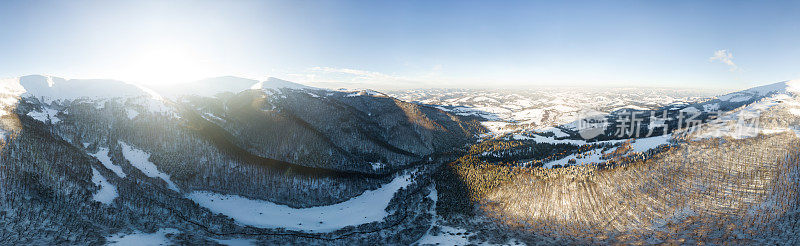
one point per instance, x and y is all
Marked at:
(704, 187)
(352, 131)
(747, 180)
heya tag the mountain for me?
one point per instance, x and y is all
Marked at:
(737, 99)
(49, 89)
(85, 160)
(275, 83)
(212, 86)
(226, 84)
(354, 133)
(760, 91)
(47, 94)
(274, 162)
(540, 108)
(732, 179)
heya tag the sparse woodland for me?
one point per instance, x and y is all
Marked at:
(714, 190)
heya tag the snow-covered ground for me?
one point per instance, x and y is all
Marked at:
(741, 96)
(364, 93)
(275, 83)
(513, 111)
(558, 133)
(107, 191)
(368, 207)
(595, 156)
(377, 165)
(629, 107)
(468, 111)
(131, 113)
(744, 122)
(140, 160)
(447, 236)
(497, 128)
(237, 242)
(543, 107)
(102, 156)
(49, 89)
(645, 144)
(43, 116)
(142, 239)
(543, 139)
(212, 117)
(711, 107)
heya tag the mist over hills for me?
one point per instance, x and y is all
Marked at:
(275, 162)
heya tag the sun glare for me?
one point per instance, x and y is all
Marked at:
(166, 64)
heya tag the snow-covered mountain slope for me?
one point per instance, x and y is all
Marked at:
(776, 109)
(771, 109)
(275, 162)
(49, 89)
(760, 91)
(351, 132)
(544, 107)
(45, 97)
(737, 99)
(734, 178)
(561, 113)
(226, 84)
(74, 156)
(275, 83)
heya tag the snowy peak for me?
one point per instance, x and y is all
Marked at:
(366, 93)
(275, 83)
(39, 81)
(48, 88)
(793, 86)
(761, 91)
(227, 84)
(771, 88)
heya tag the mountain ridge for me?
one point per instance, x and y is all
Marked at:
(299, 148)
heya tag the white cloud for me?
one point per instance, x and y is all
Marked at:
(726, 57)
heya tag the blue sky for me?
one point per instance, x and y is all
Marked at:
(408, 44)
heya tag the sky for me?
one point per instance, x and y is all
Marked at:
(408, 44)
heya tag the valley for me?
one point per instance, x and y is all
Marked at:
(275, 162)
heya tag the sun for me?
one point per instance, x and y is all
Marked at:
(165, 64)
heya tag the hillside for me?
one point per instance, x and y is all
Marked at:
(723, 182)
(72, 156)
(274, 162)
